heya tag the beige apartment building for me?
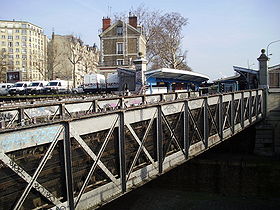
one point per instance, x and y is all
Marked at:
(120, 44)
(69, 59)
(23, 51)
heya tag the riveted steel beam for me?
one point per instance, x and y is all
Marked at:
(159, 140)
(68, 166)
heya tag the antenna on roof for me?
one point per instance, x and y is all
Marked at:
(109, 11)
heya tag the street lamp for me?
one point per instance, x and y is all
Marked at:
(269, 45)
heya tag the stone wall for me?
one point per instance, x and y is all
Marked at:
(268, 131)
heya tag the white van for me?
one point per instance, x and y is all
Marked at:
(36, 87)
(58, 86)
(4, 88)
(19, 88)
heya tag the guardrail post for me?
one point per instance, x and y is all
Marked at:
(220, 115)
(186, 130)
(143, 99)
(121, 139)
(205, 122)
(62, 110)
(159, 140)
(176, 95)
(94, 106)
(242, 114)
(232, 113)
(68, 166)
(21, 116)
(122, 102)
(250, 106)
(257, 104)
(161, 97)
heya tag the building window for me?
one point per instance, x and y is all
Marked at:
(23, 38)
(10, 37)
(17, 63)
(10, 50)
(10, 44)
(3, 43)
(120, 62)
(17, 30)
(119, 30)
(3, 36)
(119, 47)
(17, 37)
(24, 50)
(24, 63)
(17, 49)
(3, 49)
(17, 44)
(17, 56)
(23, 25)
(24, 32)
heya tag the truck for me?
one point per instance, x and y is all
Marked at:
(19, 88)
(5, 87)
(94, 83)
(36, 87)
(58, 86)
(112, 82)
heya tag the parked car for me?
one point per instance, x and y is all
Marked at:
(19, 88)
(36, 87)
(79, 89)
(58, 86)
(4, 88)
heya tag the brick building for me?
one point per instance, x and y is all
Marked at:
(120, 44)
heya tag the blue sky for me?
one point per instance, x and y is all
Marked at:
(220, 33)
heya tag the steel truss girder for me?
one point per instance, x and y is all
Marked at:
(173, 135)
(196, 128)
(93, 167)
(125, 118)
(31, 180)
(141, 145)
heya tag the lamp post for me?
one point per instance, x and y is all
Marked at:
(267, 53)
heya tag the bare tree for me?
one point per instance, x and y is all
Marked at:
(3, 65)
(76, 54)
(40, 65)
(53, 59)
(167, 40)
(163, 33)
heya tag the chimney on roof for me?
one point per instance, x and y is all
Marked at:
(106, 23)
(132, 20)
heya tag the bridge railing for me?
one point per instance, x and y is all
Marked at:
(99, 157)
(14, 115)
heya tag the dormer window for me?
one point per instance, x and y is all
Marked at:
(119, 30)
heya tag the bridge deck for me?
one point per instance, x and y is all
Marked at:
(67, 160)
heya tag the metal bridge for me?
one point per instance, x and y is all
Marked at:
(82, 153)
